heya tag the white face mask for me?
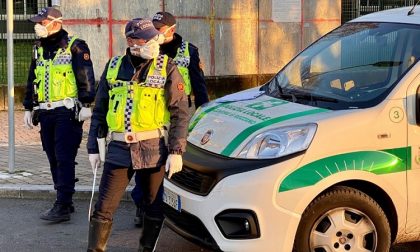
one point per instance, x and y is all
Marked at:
(148, 51)
(168, 38)
(135, 50)
(42, 31)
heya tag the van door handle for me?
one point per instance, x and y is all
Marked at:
(384, 135)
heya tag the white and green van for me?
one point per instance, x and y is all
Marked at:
(324, 157)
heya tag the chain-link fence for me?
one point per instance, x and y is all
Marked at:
(354, 8)
(23, 37)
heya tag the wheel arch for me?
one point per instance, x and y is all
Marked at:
(376, 193)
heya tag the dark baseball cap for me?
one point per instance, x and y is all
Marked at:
(162, 18)
(46, 13)
(140, 28)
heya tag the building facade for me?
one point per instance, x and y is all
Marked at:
(241, 42)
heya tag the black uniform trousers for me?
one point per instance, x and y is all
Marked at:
(114, 181)
(137, 192)
(61, 135)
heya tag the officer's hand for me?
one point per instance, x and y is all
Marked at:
(84, 114)
(95, 161)
(173, 164)
(27, 119)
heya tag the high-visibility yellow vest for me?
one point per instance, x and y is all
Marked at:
(182, 61)
(55, 77)
(136, 107)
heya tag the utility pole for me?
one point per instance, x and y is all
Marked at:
(10, 85)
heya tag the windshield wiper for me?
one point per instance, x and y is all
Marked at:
(314, 97)
(385, 63)
(306, 96)
(285, 96)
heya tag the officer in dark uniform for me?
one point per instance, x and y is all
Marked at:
(142, 107)
(59, 90)
(187, 59)
(185, 55)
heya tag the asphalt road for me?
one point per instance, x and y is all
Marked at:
(21, 230)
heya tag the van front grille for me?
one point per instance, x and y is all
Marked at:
(193, 181)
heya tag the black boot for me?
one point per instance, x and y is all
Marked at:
(57, 213)
(150, 235)
(71, 208)
(138, 220)
(99, 231)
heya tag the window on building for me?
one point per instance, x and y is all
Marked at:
(352, 9)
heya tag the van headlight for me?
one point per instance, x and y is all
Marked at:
(279, 142)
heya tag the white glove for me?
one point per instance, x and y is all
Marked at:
(85, 114)
(95, 161)
(27, 119)
(102, 148)
(173, 164)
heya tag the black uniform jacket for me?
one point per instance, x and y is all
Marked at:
(118, 153)
(81, 62)
(198, 83)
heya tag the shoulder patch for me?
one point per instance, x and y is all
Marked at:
(180, 86)
(86, 56)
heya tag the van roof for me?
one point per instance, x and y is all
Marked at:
(398, 15)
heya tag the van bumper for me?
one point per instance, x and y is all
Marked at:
(249, 191)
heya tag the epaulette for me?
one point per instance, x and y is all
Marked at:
(192, 45)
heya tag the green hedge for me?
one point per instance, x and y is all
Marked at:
(22, 60)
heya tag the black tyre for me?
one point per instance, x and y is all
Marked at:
(343, 219)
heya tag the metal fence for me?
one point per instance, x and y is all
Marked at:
(354, 8)
(23, 37)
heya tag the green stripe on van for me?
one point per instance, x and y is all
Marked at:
(204, 113)
(231, 147)
(377, 162)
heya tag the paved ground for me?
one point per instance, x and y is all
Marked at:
(32, 180)
(25, 232)
(32, 173)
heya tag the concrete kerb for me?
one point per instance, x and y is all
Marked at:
(48, 192)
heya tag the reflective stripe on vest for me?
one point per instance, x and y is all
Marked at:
(182, 61)
(55, 77)
(136, 107)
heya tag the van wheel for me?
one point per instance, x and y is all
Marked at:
(343, 219)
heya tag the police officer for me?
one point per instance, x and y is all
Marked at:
(59, 90)
(187, 59)
(142, 105)
(185, 55)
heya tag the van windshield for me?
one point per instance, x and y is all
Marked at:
(354, 66)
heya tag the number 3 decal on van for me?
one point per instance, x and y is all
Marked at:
(396, 114)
